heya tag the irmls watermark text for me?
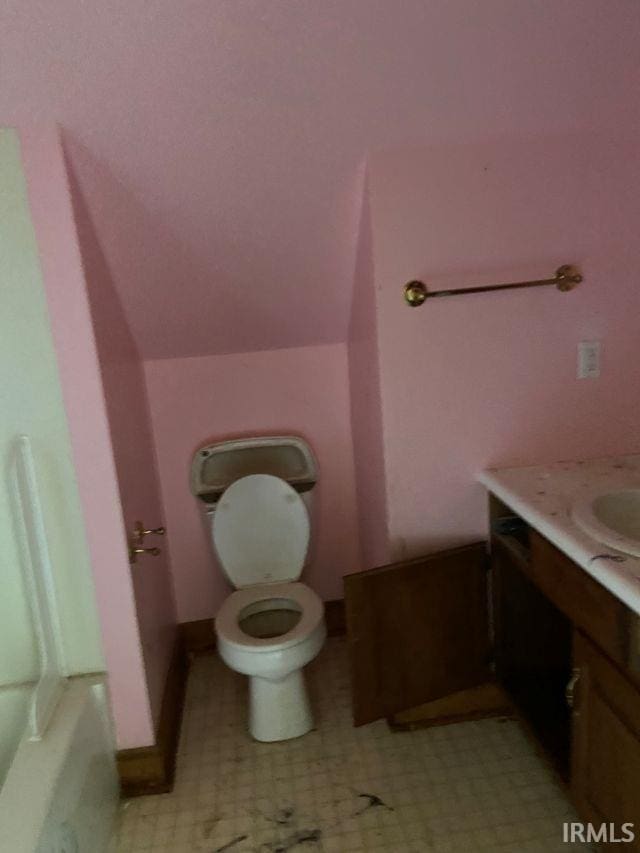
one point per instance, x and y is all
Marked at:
(603, 833)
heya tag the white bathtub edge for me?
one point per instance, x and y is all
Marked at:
(30, 796)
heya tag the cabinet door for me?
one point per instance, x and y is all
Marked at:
(606, 741)
(417, 631)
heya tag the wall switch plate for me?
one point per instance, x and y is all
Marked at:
(588, 359)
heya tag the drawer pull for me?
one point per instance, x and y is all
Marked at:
(570, 689)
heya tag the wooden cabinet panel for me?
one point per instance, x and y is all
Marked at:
(534, 584)
(587, 603)
(605, 778)
(417, 631)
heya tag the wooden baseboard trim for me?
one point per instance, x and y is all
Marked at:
(476, 703)
(334, 614)
(151, 769)
(199, 636)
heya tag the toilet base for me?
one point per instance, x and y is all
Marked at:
(279, 710)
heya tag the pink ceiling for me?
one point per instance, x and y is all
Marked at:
(218, 142)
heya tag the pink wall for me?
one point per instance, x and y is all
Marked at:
(366, 405)
(134, 453)
(303, 391)
(237, 126)
(82, 388)
(490, 379)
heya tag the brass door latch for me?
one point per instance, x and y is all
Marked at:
(139, 531)
(133, 552)
(137, 539)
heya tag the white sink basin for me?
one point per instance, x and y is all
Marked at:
(612, 518)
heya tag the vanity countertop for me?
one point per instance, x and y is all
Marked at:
(542, 495)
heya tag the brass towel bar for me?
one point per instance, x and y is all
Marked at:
(566, 278)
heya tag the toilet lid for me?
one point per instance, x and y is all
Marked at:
(261, 531)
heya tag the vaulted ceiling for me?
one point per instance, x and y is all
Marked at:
(219, 143)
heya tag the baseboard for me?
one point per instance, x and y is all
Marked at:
(335, 618)
(151, 769)
(199, 636)
(476, 703)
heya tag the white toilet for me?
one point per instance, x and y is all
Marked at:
(272, 626)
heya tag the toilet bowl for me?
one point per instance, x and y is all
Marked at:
(270, 632)
(273, 625)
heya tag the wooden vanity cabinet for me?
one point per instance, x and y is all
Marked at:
(446, 636)
(567, 651)
(605, 749)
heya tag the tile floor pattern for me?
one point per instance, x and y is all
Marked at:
(474, 786)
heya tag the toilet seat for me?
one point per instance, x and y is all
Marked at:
(260, 531)
(227, 621)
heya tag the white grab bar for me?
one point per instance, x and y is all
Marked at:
(42, 594)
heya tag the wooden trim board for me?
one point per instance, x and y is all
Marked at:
(334, 614)
(151, 769)
(486, 700)
(197, 637)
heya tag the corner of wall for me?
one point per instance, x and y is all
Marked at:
(365, 398)
(54, 222)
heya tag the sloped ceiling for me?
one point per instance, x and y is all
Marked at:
(219, 143)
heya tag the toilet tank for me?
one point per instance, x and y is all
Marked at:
(216, 466)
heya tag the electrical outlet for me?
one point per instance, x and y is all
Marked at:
(588, 359)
